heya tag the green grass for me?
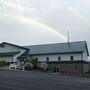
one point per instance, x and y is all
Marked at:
(87, 74)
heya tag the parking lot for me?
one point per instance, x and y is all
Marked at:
(19, 80)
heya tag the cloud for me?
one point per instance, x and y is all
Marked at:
(16, 5)
(36, 23)
(73, 11)
(76, 13)
(59, 14)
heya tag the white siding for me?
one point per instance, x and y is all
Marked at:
(17, 55)
(85, 57)
(7, 59)
(8, 48)
(64, 57)
(54, 57)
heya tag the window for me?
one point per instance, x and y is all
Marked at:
(72, 58)
(59, 58)
(2, 45)
(47, 59)
(76, 68)
(36, 59)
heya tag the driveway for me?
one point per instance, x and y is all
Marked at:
(19, 80)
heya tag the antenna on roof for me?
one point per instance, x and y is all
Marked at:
(68, 41)
(68, 37)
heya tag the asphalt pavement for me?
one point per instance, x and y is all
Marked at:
(19, 80)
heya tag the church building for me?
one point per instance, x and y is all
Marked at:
(61, 57)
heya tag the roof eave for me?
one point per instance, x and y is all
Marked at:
(57, 53)
(15, 45)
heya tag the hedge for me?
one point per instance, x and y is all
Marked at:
(3, 63)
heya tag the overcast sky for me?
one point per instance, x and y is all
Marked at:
(26, 22)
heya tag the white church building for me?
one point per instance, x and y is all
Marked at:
(65, 57)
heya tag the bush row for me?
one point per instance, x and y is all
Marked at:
(3, 63)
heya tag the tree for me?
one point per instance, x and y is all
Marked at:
(34, 61)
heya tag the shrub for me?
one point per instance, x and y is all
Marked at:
(34, 62)
(3, 63)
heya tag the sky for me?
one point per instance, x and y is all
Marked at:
(27, 22)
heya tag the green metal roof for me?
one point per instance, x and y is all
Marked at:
(71, 47)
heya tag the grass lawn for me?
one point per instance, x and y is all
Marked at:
(86, 74)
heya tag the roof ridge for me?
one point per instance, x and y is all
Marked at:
(54, 43)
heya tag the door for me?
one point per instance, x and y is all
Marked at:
(56, 69)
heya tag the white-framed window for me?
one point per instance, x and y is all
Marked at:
(47, 59)
(2, 46)
(36, 58)
(59, 58)
(71, 58)
(76, 68)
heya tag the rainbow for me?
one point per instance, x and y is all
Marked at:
(31, 20)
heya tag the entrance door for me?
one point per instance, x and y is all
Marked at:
(56, 69)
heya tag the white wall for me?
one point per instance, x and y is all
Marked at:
(64, 57)
(10, 48)
(7, 59)
(85, 55)
(17, 55)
